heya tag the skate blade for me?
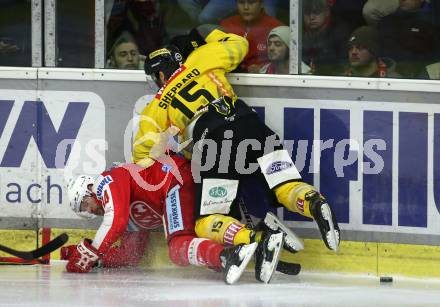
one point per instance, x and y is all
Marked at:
(268, 267)
(332, 236)
(235, 272)
(290, 239)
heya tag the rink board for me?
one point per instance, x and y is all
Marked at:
(366, 258)
(367, 144)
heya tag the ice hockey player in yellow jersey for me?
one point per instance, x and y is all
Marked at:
(231, 143)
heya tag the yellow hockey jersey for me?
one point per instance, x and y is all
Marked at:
(200, 80)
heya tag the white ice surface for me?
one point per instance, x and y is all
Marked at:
(43, 285)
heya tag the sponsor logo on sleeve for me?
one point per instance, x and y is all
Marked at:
(104, 181)
(174, 212)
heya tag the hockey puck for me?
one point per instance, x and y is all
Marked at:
(386, 279)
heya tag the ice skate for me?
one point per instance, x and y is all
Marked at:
(267, 255)
(292, 242)
(324, 217)
(235, 259)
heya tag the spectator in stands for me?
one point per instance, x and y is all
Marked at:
(207, 11)
(15, 33)
(212, 11)
(350, 11)
(75, 34)
(375, 10)
(431, 71)
(324, 38)
(8, 46)
(142, 18)
(124, 53)
(363, 56)
(408, 36)
(253, 23)
(278, 42)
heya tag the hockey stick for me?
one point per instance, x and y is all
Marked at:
(19, 261)
(41, 251)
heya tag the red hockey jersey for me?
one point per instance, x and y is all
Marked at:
(136, 199)
(256, 34)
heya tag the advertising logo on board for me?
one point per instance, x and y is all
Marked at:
(47, 137)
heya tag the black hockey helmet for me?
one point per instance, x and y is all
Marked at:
(166, 60)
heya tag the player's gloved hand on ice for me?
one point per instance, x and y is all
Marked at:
(83, 259)
(67, 251)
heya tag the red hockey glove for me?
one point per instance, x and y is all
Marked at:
(83, 258)
(67, 251)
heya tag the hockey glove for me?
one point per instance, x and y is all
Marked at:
(84, 258)
(67, 251)
(188, 43)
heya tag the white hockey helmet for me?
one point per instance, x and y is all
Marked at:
(76, 190)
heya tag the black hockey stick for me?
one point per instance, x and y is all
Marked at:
(41, 251)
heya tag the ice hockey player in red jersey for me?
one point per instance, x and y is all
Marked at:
(131, 198)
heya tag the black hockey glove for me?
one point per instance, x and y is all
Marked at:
(188, 43)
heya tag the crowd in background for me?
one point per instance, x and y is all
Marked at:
(364, 38)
